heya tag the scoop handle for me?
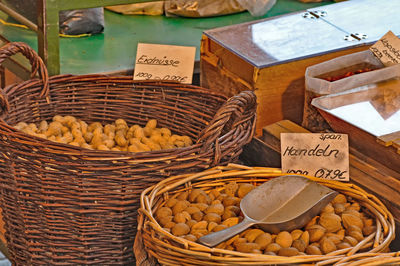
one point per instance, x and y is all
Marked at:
(214, 239)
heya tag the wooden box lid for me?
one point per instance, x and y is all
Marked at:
(305, 34)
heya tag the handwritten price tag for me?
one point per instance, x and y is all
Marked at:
(387, 49)
(324, 155)
(164, 62)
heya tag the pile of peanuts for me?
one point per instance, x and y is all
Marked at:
(195, 213)
(117, 136)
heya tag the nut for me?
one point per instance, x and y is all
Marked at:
(239, 240)
(216, 208)
(263, 240)
(253, 234)
(212, 217)
(200, 225)
(190, 238)
(231, 221)
(288, 252)
(183, 195)
(327, 245)
(192, 209)
(299, 245)
(231, 240)
(316, 232)
(305, 237)
(247, 247)
(203, 198)
(339, 208)
(331, 222)
(228, 214)
(201, 206)
(230, 201)
(351, 240)
(169, 225)
(171, 202)
(343, 245)
(194, 193)
(273, 247)
(163, 212)
(313, 250)
(284, 239)
(328, 209)
(296, 234)
(180, 229)
(244, 189)
(164, 220)
(198, 216)
(211, 226)
(231, 188)
(340, 198)
(219, 227)
(190, 223)
(234, 209)
(334, 238)
(180, 206)
(350, 219)
(357, 235)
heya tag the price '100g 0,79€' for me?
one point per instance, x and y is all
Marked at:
(146, 76)
(321, 173)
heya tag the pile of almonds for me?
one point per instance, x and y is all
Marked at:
(195, 213)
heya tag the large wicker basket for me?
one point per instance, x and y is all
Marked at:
(155, 245)
(67, 205)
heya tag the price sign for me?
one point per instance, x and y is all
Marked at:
(387, 49)
(164, 62)
(323, 155)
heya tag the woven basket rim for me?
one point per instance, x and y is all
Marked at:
(110, 155)
(160, 192)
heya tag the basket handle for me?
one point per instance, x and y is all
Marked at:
(236, 110)
(36, 62)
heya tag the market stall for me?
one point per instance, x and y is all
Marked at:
(272, 160)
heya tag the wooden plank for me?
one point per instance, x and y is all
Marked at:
(388, 139)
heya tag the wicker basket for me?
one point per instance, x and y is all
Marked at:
(154, 244)
(68, 205)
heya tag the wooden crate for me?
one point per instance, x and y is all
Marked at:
(270, 56)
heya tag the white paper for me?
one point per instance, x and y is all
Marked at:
(164, 62)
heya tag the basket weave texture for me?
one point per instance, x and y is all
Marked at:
(155, 245)
(69, 205)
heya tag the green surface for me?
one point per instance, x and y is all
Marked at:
(115, 49)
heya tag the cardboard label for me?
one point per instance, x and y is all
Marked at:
(387, 49)
(164, 62)
(323, 155)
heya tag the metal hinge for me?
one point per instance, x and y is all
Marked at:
(355, 37)
(314, 14)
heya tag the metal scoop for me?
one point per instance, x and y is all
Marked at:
(281, 204)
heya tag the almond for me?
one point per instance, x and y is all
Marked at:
(316, 232)
(327, 245)
(350, 219)
(331, 222)
(284, 239)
